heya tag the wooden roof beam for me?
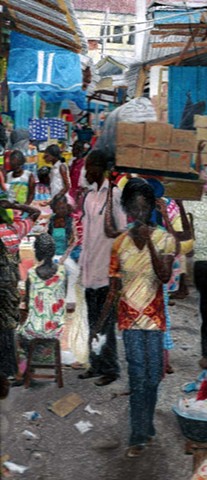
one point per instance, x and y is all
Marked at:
(46, 3)
(173, 59)
(175, 32)
(188, 44)
(62, 4)
(184, 26)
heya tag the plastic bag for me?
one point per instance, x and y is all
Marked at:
(79, 331)
(136, 111)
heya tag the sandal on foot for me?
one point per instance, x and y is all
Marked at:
(77, 366)
(135, 450)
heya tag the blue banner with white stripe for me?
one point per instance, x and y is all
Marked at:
(36, 66)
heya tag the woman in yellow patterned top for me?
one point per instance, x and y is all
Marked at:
(141, 260)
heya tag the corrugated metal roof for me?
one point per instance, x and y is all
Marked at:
(194, 54)
(53, 21)
(150, 53)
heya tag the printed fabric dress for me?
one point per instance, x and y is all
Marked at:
(46, 306)
(141, 304)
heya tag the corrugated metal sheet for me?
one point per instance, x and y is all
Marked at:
(53, 21)
(150, 53)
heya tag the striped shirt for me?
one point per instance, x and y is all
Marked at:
(11, 235)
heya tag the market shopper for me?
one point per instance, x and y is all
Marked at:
(75, 167)
(94, 263)
(66, 229)
(21, 182)
(172, 215)
(45, 300)
(141, 260)
(10, 238)
(200, 278)
(62, 227)
(59, 176)
(61, 224)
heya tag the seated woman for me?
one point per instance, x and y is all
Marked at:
(45, 297)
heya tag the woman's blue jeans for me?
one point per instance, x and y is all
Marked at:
(144, 354)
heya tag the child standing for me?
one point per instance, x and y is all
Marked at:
(21, 182)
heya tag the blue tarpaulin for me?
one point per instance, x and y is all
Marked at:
(37, 66)
(184, 81)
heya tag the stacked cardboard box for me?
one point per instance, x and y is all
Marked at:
(154, 146)
(129, 141)
(200, 123)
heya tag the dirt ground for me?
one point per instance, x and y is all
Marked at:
(61, 452)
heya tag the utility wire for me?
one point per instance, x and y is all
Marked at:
(133, 32)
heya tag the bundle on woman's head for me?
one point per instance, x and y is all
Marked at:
(135, 187)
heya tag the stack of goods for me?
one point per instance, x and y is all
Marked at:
(46, 128)
(155, 146)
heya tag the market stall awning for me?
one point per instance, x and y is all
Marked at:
(52, 21)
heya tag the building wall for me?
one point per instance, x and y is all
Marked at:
(92, 26)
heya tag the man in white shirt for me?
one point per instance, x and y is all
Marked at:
(94, 261)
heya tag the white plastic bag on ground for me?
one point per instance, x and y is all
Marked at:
(78, 331)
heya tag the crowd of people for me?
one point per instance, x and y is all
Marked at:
(110, 255)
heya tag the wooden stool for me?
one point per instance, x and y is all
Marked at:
(30, 371)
